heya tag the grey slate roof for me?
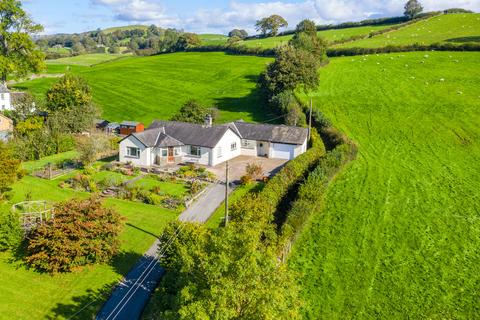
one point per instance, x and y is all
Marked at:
(191, 134)
(271, 133)
(156, 138)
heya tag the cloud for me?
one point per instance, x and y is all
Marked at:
(244, 15)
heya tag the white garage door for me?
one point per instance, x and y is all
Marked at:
(283, 151)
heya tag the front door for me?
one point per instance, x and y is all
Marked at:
(171, 157)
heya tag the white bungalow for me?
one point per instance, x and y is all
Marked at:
(170, 142)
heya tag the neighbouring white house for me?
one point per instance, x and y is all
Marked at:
(170, 142)
(5, 98)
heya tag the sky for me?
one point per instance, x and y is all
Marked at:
(212, 16)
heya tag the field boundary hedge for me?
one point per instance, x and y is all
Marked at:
(311, 194)
(357, 51)
(387, 30)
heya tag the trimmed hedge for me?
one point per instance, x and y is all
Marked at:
(414, 47)
(235, 49)
(311, 194)
(259, 209)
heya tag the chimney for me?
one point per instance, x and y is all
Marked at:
(208, 121)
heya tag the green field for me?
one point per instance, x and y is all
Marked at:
(213, 39)
(449, 28)
(329, 35)
(399, 236)
(27, 294)
(148, 88)
(125, 28)
(86, 59)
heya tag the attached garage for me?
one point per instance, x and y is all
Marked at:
(283, 151)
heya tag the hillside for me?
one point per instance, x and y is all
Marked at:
(329, 35)
(449, 28)
(399, 235)
(149, 88)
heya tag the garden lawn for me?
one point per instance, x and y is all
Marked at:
(399, 236)
(110, 175)
(31, 166)
(177, 188)
(148, 88)
(448, 28)
(27, 294)
(329, 35)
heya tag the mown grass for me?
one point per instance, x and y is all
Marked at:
(148, 88)
(449, 28)
(86, 59)
(400, 231)
(213, 39)
(27, 294)
(329, 35)
(31, 166)
(172, 188)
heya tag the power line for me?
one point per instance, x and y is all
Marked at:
(149, 268)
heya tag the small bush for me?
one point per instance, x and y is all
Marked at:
(10, 231)
(246, 180)
(82, 232)
(153, 199)
(254, 170)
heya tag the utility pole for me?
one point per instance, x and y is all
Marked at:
(226, 196)
(310, 120)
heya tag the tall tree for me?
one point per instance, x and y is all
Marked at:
(306, 38)
(291, 69)
(413, 8)
(270, 25)
(226, 274)
(240, 33)
(18, 54)
(10, 169)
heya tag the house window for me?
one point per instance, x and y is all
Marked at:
(164, 152)
(195, 151)
(177, 151)
(3, 96)
(248, 144)
(219, 155)
(133, 152)
(233, 146)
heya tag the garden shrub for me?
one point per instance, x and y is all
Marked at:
(254, 170)
(82, 232)
(10, 230)
(246, 179)
(153, 199)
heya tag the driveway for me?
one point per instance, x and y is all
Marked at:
(237, 167)
(201, 210)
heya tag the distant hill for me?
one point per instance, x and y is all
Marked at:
(125, 28)
(447, 28)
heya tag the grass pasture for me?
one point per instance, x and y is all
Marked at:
(399, 235)
(329, 35)
(148, 88)
(213, 39)
(27, 294)
(448, 28)
(86, 59)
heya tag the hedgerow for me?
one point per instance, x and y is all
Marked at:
(338, 52)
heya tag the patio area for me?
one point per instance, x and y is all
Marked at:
(237, 167)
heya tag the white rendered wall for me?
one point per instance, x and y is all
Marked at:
(225, 145)
(5, 101)
(145, 157)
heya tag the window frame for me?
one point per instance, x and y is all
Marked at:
(233, 146)
(198, 154)
(248, 144)
(130, 155)
(219, 152)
